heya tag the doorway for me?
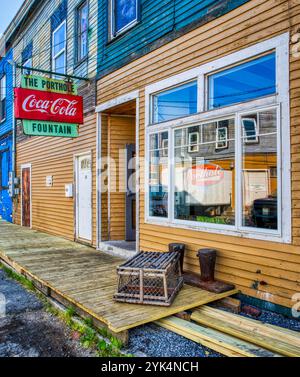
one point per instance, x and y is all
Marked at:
(131, 192)
(26, 196)
(118, 181)
(83, 177)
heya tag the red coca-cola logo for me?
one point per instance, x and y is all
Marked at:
(39, 105)
(207, 174)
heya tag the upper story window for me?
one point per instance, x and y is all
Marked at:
(26, 65)
(175, 103)
(250, 80)
(124, 14)
(4, 170)
(83, 27)
(59, 49)
(2, 98)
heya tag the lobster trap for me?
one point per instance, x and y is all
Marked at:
(150, 278)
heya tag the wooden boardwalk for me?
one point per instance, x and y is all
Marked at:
(85, 278)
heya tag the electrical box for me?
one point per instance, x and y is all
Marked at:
(17, 181)
(69, 190)
(49, 181)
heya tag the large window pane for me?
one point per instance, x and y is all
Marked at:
(244, 82)
(205, 173)
(175, 103)
(158, 175)
(260, 203)
(60, 63)
(59, 39)
(125, 12)
(83, 31)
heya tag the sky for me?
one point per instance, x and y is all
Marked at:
(9, 9)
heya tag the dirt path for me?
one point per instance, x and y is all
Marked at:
(27, 330)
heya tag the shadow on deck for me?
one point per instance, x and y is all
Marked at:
(78, 275)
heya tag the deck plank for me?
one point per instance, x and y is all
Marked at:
(86, 278)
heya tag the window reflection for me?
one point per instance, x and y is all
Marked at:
(205, 173)
(175, 103)
(247, 81)
(158, 175)
(260, 171)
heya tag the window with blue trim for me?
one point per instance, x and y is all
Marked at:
(2, 98)
(244, 82)
(83, 26)
(124, 15)
(4, 169)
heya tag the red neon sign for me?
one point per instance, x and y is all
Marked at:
(48, 106)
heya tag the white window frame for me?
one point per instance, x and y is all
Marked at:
(62, 51)
(193, 147)
(247, 137)
(218, 141)
(280, 101)
(113, 32)
(26, 66)
(80, 58)
(3, 92)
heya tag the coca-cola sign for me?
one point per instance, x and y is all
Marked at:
(48, 106)
(207, 174)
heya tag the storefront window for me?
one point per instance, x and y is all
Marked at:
(159, 175)
(204, 175)
(247, 81)
(175, 103)
(229, 166)
(260, 203)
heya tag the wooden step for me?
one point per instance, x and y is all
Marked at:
(281, 341)
(225, 344)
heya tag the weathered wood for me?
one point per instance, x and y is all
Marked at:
(213, 339)
(272, 338)
(86, 279)
(230, 303)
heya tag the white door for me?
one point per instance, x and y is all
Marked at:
(84, 197)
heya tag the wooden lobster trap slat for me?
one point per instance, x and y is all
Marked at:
(150, 278)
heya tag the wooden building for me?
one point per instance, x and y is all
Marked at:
(252, 136)
(194, 137)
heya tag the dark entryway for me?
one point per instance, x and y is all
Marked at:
(26, 196)
(131, 193)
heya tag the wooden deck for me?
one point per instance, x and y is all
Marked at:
(85, 278)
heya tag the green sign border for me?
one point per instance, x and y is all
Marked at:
(50, 129)
(46, 84)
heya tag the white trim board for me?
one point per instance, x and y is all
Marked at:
(117, 101)
(100, 110)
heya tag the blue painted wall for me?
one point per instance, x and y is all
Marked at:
(6, 139)
(159, 22)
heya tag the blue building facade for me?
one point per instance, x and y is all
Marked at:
(6, 127)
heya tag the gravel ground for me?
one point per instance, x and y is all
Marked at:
(155, 341)
(277, 320)
(29, 331)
